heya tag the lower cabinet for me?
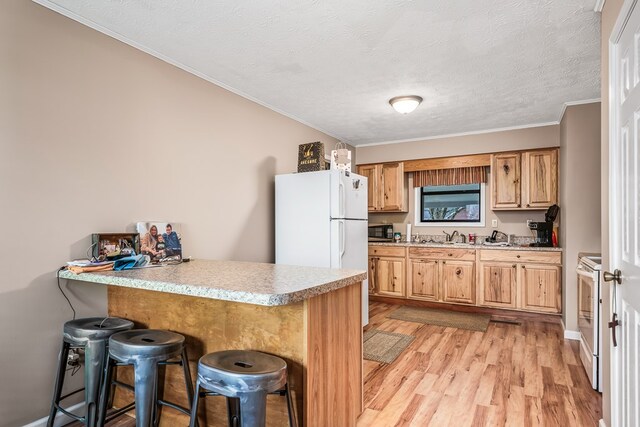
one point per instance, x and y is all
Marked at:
(511, 279)
(386, 276)
(458, 282)
(445, 277)
(540, 287)
(424, 279)
(523, 285)
(498, 284)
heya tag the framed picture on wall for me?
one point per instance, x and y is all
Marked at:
(161, 241)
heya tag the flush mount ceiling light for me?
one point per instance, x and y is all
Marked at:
(405, 104)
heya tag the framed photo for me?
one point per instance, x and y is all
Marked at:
(112, 246)
(161, 241)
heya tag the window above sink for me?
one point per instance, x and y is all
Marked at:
(450, 205)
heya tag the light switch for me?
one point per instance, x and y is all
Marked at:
(494, 223)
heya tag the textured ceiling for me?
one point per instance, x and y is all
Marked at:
(334, 64)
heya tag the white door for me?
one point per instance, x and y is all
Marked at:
(624, 210)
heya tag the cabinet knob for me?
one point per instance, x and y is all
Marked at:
(450, 254)
(444, 262)
(517, 256)
(514, 266)
(523, 266)
(528, 205)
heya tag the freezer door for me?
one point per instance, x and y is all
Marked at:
(348, 195)
(349, 250)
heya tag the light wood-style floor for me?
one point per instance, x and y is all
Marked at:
(514, 375)
(510, 375)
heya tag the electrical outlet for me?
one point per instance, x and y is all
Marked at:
(494, 223)
(529, 221)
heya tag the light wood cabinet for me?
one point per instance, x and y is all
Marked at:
(526, 180)
(372, 172)
(507, 187)
(540, 288)
(387, 187)
(523, 280)
(446, 275)
(498, 284)
(458, 282)
(387, 272)
(423, 278)
(540, 170)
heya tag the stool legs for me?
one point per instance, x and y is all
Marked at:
(292, 418)
(57, 389)
(253, 409)
(93, 371)
(145, 373)
(194, 406)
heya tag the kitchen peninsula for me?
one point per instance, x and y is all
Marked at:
(309, 316)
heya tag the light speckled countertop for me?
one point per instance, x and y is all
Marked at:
(464, 246)
(246, 282)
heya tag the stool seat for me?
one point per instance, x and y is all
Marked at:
(79, 331)
(235, 372)
(135, 344)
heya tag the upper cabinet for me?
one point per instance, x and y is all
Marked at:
(527, 180)
(387, 187)
(505, 169)
(540, 170)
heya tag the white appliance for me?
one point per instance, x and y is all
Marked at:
(589, 310)
(321, 221)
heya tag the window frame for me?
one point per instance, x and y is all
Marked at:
(459, 223)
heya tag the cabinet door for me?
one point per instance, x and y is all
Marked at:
(541, 178)
(458, 281)
(393, 187)
(498, 284)
(372, 172)
(390, 276)
(540, 288)
(423, 279)
(372, 275)
(505, 169)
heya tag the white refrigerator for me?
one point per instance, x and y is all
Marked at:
(321, 221)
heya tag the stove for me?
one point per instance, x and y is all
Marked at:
(589, 312)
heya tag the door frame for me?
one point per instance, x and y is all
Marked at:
(614, 196)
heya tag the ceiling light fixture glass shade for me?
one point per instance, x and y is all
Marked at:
(405, 104)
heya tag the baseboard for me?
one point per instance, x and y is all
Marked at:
(61, 419)
(601, 423)
(570, 335)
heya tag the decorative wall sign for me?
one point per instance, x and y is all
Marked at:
(311, 157)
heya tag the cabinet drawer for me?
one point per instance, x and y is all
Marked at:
(521, 256)
(386, 251)
(457, 254)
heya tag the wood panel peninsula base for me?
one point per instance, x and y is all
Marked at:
(320, 337)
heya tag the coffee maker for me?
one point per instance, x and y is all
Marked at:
(544, 230)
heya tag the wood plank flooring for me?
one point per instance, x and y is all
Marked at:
(510, 375)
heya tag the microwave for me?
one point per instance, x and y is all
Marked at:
(380, 232)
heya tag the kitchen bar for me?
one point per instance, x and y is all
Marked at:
(308, 316)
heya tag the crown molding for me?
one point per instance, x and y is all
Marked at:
(453, 135)
(572, 103)
(599, 5)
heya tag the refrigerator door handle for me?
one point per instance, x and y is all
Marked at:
(342, 240)
(343, 199)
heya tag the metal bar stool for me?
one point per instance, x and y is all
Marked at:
(146, 349)
(91, 334)
(244, 378)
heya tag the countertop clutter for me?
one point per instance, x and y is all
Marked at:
(246, 282)
(466, 246)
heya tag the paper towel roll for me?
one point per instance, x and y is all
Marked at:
(409, 233)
